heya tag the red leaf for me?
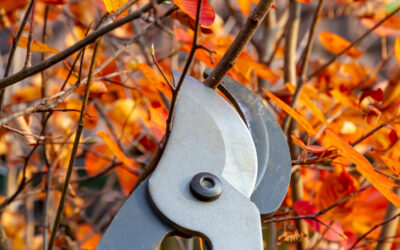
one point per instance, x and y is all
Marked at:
(207, 14)
(306, 208)
(377, 95)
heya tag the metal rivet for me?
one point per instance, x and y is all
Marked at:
(205, 186)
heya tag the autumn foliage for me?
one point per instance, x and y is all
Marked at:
(340, 116)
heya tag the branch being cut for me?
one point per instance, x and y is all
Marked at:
(244, 36)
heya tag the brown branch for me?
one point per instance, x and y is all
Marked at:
(73, 152)
(307, 50)
(244, 36)
(10, 80)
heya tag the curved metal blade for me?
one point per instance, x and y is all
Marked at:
(135, 226)
(208, 136)
(274, 166)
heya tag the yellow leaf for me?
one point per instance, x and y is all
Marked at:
(113, 5)
(381, 183)
(116, 150)
(336, 44)
(37, 46)
(397, 49)
(308, 103)
(293, 113)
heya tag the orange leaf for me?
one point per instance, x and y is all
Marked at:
(315, 149)
(364, 167)
(115, 149)
(36, 46)
(113, 5)
(293, 113)
(96, 158)
(303, 1)
(126, 180)
(336, 44)
(308, 103)
(397, 49)
(149, 73)
(207, 14)
(246, 61)
(391, 164)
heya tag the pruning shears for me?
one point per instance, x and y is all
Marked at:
(225, 164)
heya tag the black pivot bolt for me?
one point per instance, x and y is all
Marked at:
(205, 186)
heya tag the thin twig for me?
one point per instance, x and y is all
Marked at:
(307, 50)
(153, 56)
(244, 36)
(74, 150)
